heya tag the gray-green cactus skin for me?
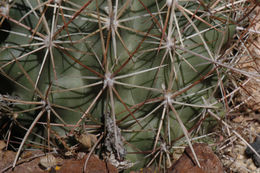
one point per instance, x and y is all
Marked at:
(142, 63)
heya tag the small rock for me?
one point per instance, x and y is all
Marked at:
(49, 161)
(252, 167)
(208, 160)
(256, 160)
(94, 165)
(240, 157)
(238, 119)
(251, 154)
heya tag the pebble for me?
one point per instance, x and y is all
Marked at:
(250, 153)
(240, 157)
(252, 167)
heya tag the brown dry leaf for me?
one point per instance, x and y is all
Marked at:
(87, 140)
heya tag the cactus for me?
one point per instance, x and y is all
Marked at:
(140, 74)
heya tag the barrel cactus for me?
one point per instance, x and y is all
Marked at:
(139, 74)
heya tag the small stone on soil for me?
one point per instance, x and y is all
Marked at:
(250, 153)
